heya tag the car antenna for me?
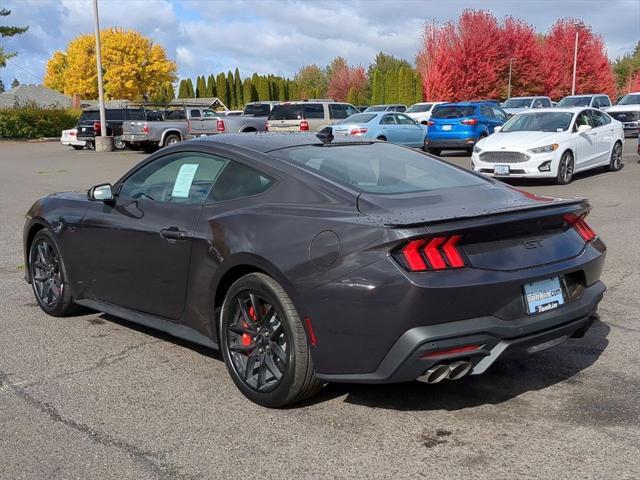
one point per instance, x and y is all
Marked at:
(325, 135)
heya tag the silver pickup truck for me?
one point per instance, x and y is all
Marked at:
(165, 126)
(253, 119)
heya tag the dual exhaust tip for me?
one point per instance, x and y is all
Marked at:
(442, 371)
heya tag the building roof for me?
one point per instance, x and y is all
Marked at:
(37, 95)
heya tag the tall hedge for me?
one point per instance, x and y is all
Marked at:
(33, 122)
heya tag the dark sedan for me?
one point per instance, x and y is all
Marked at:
(306, 259)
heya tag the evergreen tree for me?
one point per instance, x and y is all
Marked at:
(183, 92)
(237, 85)
(211, 86)
(15, 83)
(221, 88)
(1, 86)
(390, 86)
(201, 87)
(7, 31)
(246, 91)
(171, 94)
(190, 90)
(377, 88)
(418, 88)
(233, 100)
(263, 88)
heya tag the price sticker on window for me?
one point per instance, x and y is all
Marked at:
(184, 179)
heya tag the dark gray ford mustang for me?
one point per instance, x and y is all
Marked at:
(310, 259)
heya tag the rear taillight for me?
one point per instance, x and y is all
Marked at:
(304, 126)
(266, 126)
(73, 134)
(220, 126)
(145, 128)
(96, 127)
(358, 131)
(437, 253)
(431, 123)
(580, 225)
(469, 121)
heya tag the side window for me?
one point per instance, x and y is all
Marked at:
(404, 119)
(599, 119)
(194, 113)
(546, 103)
(596, 102)
(351, 110)
(209, 114)
(176, 115)
(238, 181)
(604, 102)
(114, 114)
(388, 120)
(538, 103)
(337, 110)
(486, 111)
(178, 178)
(499, 114)
(584, 118)
(400, 108)
(313, 110)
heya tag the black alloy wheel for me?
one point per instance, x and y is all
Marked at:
(615, 163)
(46, 270)
(118, 144)
(565, 169)
(264, 343)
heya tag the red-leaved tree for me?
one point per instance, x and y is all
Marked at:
(593, 72)
(343, 78)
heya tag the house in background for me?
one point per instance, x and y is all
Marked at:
(43, 97)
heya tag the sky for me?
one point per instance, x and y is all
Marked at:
(280, 36)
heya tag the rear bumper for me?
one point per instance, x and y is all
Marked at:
(451, 143)
(497, 339)
(134, 138)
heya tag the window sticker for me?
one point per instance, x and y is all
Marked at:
(184, 180)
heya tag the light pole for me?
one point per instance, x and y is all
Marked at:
(510, 64)
(103, 143)
(575, 59)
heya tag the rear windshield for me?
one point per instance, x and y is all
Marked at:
(291, 111)
(89, 116)
(378, 168)
(257, 109)
(517, 103)
(575, 102)
(453, 112)
(359, 118)
(379, 108)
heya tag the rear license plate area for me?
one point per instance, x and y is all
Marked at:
(543, 296)
(501, 169)
(447, 127)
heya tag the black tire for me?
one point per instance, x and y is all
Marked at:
(435, 151)
(171, 139)
(90, 145)
(77, 147)
(615, 160)
(149, 147)
(566, 167)
(261, 329)
(382, 138)
(48, 276)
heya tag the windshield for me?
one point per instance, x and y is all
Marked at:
(575, 101)
(359, 118)
(517, 103)
(539, 122)
(379, 168)
(89, 115)
(421, 107)
(632, 99)
(379, 108)
(453, 112)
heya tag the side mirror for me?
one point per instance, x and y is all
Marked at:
(100, 193)
(497, 129)
(584, 128)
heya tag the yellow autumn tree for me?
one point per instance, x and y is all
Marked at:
(133, 66)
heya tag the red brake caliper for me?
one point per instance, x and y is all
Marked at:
(246, 338)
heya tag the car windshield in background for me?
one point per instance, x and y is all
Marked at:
(575, 102)
(292, 111)
(257, 109)
(517, 103)
(425, 107)
(376, 109)
(630, 100)
(359, 118)
(453, 112)
(379, 168)
(539, 122)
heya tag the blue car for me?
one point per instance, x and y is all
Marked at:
(393, 127)
(458, 126)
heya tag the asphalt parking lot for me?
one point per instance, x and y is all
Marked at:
(93, 396)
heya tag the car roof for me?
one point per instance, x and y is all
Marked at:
(265, 142)
(559, 109)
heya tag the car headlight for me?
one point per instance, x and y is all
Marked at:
(546, 148)
(476, 149)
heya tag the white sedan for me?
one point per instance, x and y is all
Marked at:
(551, 143)
(69, 137)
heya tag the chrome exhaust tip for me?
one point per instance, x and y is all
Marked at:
(457, 370)
(436, 374)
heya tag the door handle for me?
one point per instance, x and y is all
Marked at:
(173, 233)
